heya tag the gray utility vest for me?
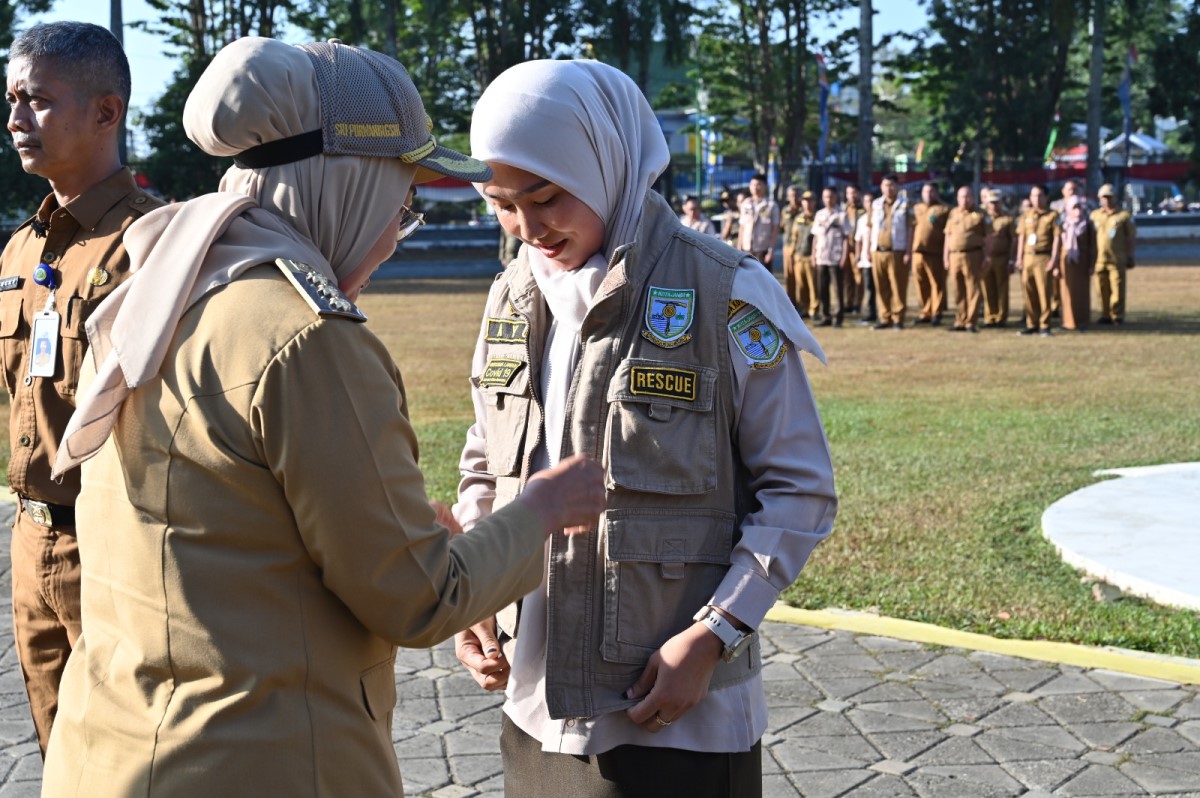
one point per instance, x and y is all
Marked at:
(658, 417)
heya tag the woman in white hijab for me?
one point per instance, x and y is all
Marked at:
(253, 525)
(619, 334)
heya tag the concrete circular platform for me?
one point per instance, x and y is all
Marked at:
(1139, 532)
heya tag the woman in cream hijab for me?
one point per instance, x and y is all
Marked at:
(253, 525)
(619, 334)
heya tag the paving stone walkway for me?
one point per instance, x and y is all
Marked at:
(851, 715)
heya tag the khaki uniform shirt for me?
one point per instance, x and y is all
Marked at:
(759, 225)
(1039, 230)
(83, 245)
(929, 227)
(831, 230)
(788, 219)
(1114, 233)
(1001, 237)
(965, 230)
(802, 235)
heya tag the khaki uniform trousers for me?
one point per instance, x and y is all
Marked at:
(891, 285)
(966, 271)
(800, 281)
(853, 280)
(929, 274)
(45, 585)
(1110, 285)
(995, 290)
(1036, 283)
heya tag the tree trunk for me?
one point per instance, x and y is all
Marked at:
(866, 113)
(1094, 177)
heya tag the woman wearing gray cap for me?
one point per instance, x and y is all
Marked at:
(253, 525)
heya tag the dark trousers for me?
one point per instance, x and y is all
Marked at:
(868, 279)
(627, 771)
(837, 276)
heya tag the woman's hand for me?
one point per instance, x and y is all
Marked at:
(479, 651)
(445, 517)
(676, 678)
(570, 496)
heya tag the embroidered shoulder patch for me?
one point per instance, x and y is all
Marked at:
(670, 383)
(734, 306)
(507, 331)
(669, 314)
(500, 371)
(758, 339)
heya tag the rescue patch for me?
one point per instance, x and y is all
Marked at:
(500, 372)
(669, 314)
(669, 383)
(734, 306)
(507, 331)
(759, 340)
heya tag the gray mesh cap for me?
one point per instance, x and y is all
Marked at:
(369, 108)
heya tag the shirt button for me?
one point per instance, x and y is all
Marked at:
(139, 200)
(48, 257)
(25, 440)
(28, 380)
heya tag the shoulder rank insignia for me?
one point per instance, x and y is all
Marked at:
(507, 331)
(10, 283)
(759, 340)
(321, 294)
(669, 314)
(500, 371)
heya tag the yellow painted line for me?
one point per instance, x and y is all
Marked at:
(1137, 663)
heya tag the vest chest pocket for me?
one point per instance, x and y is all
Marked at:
(662, 432)
(10, 326)
(661, 566)
(505, 388)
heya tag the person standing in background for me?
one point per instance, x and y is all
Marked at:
(862, 250)
(965, 231)
(806, 291)
(759, 223)
(693, 217)
(1116, 236)
(854, 284)
(831, 253)
(787, 221)
(1077, 261)
(67, 89)
(730, 224)
(891, 252)
(999, 251)
(1038, 241)
(928, 245)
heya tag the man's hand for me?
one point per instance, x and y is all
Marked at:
(568, 496)
(676, 678)
(769, 258)
(479, 651)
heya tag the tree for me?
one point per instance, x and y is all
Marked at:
(19, 192)
(1175, 64)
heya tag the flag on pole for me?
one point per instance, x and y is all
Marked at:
(1053, 137)
(823, 83)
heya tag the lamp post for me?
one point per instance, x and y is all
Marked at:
(116, 24)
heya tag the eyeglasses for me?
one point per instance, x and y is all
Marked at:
(409, 222)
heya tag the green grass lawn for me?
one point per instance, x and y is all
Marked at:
(947, 450)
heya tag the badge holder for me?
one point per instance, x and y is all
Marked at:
(44, 341)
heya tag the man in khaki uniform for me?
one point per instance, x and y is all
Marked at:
(1116, 235)
(998, 250)
(831, 253)
(791, 211)
(891, 253)
(802, 282)
(966, 227)
(854, 278)
(1038, 238)
(68, 89)
(758, 223)
(928, 245)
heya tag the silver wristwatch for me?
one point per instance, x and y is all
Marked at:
(735, 640)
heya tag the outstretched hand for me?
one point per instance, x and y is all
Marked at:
(479, 651)
(568, 496)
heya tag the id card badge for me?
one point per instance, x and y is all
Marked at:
(1032, 240)
(44, 354)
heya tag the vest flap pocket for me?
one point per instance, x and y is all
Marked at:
(379, 689)
(670, 536)
(664, 382)
(504, 385)
(503, 376)
(662, 566)
(10, 314)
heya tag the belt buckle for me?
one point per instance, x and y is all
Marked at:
(39, 512)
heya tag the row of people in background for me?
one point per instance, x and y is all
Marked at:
(864, 259)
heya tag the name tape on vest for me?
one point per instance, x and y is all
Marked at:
(669, 383)
(500, 372)
(507, 331)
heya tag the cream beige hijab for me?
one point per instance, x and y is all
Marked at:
(326, 211)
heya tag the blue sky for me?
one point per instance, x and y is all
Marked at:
(152, 68)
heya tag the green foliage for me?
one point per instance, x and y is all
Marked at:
(1175, 63)
(177, 167)
(20, 193)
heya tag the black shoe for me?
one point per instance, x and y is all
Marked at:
(1027, 331)
(1000, 324)
(824, 323)
(837, 322)
(956, 328)
(921, 320)
(1118, 322)
(898, 325)
(880, 325)
(1104, 320)
(936, 321)
(1045, 333)
(972, 328)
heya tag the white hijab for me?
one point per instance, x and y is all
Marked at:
(584, 126)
